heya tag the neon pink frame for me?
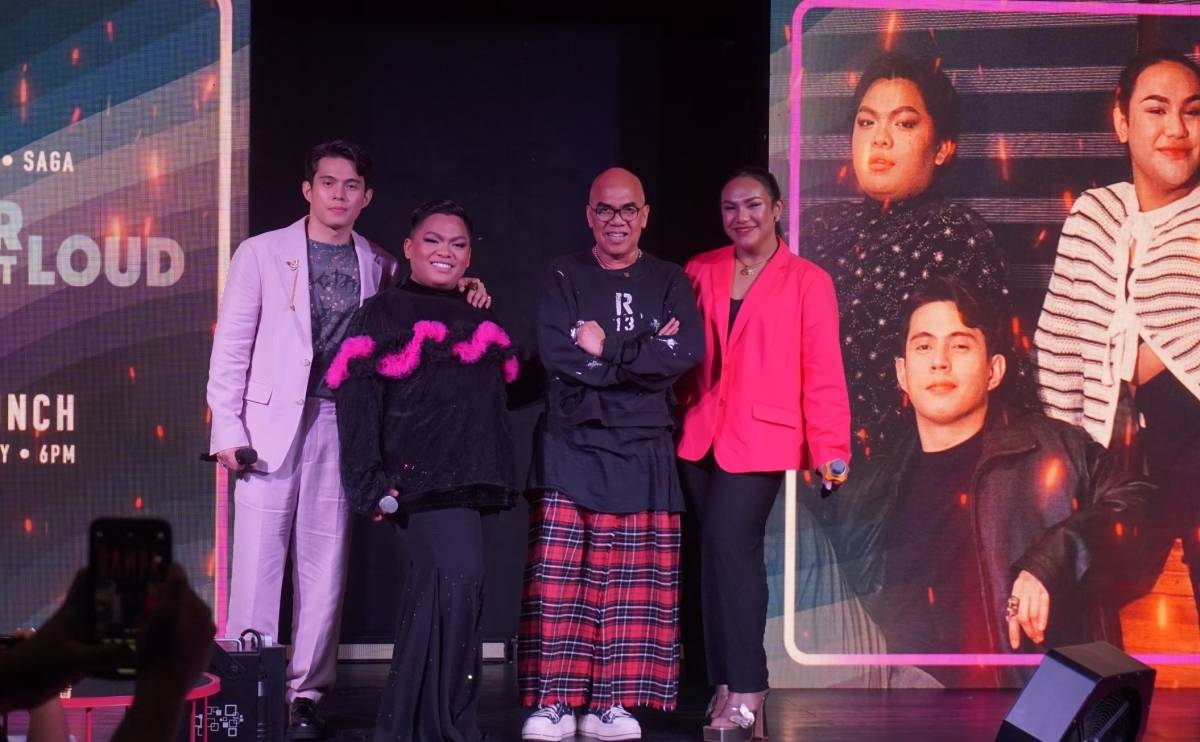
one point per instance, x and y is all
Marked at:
(224, 229)
(795, 110)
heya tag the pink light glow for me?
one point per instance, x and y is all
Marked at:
(1052, 474)
(154, 167)
(221, 550)
(23, 96)
(889, 31)
(1002, 156)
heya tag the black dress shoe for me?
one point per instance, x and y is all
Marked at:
(306, 723)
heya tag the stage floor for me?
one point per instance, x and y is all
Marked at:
(792, 715)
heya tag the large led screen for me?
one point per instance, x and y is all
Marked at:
(123, 137)
(1035, 82)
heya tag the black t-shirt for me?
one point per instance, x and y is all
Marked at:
(932, 599)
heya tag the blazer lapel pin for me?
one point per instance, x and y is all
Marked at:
(294, 265)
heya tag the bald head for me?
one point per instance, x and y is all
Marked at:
(617, 177)
(617, 213)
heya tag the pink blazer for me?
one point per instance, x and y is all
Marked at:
(770, 394)
(262, 349)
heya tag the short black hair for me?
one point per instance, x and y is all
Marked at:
(343, 149)
(764, 178)
(977, 313)
(941, 100)
(442, 206)
(1142, 62)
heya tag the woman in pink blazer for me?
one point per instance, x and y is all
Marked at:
(769, 395)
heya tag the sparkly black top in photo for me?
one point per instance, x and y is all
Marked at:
(876, 257)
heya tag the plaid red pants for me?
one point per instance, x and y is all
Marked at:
(598, 616)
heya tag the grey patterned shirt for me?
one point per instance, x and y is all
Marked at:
(333, 291)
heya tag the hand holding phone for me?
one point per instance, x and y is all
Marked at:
(177, 639)
(128, 563)
(61, 652)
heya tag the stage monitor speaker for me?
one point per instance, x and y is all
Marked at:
(250, 704)
(1083, 693)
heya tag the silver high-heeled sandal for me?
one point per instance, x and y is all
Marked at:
(737, 722)
(717, 702)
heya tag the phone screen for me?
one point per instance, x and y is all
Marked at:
(128, 563)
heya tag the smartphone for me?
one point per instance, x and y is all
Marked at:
(128, 560)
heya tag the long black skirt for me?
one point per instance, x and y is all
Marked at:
(432, 690)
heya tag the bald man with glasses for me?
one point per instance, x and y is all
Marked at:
(616, 328)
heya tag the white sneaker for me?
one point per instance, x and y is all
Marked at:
(614, 724)
(550, 724)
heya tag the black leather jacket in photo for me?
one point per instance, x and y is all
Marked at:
(1045, 498)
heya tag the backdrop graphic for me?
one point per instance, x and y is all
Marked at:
(123, 137)
(1035, 81)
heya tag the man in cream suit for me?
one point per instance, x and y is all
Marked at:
(288, 298)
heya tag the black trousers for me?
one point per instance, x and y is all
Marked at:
(732, 510)
(432, 689)
(1170, 443)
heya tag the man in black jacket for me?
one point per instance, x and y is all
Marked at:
(985, 529)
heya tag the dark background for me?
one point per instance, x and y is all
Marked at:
(510, 108)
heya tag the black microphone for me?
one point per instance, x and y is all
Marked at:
(245, 456)
(833, 474)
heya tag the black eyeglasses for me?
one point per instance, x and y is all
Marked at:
(605, 213)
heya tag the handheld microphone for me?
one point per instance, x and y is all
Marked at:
(388, 505)
(832, 475)
(245, 456)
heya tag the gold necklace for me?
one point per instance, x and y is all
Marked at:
(748, 269)
(600, 260)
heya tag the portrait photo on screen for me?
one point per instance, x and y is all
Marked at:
(974, 180)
